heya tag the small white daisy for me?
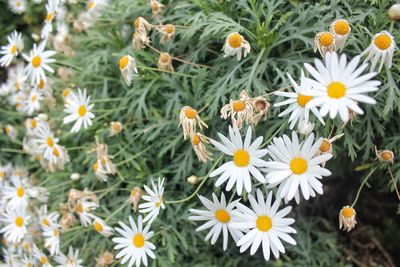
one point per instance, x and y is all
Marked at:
(84, 208)
(78, 108)
(246, 158)
(16, 194)
(69, 260)
(11, 50)
(236, 45)
(17, 6)
(51, 235)
(297, 102)
(338, 85)
(32, 102)
(45, 140)
(38, 61)
(154, 201)
(41, 257)
(381, 48)
(296, 166)
(15, 225)
(266, 225)
(51, 8)
(46, 219)
(219, 217)
(101, 227)
(134, 244)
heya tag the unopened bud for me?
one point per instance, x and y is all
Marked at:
(75, 176)
(193, 179)
(305, 127)
(394, 12)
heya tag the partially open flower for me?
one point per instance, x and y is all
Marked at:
(347, 218)
(115, 128)
(236, 45)
(135, 197)
(105, 259)
(305, 127)
(261, 107)
(240, 110)
(168, 32)
(189, 119)
(165, 62)
(381, 49)
(199, 142)
(156, 7)
(341, 29)
(324, 42)
(127, 66)
(384, 155)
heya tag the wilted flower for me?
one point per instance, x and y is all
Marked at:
(324, 42)
(165, 62)
(347, 218)
(234, 44)
(189, 119)
(168, 32)
(156, 7)
(384, 155)
(127, 66)
(115, 128)
(11, 131)
(341, 29)
(381, 48)
(240, 110)
(105, 259)
(135, 197)
(261, 107)
(198, 142)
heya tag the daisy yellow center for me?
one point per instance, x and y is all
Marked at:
(238, 105)
(302, 100)
(49, 17)
(116, 127)
(264, 223)
(298, 165)
(56, 233)
(326, 39)
(8, 130)
(138, 240)
(336, 90)
(56, 152)
(235, 40)
(50, 142)
(33, 123)
(97, 226)
(43, 260)
(348, 212)
(18, 3)
(79, 208)
(154, 6)
(45, 222)
(65, 93)
(2, 175)
(325, 146)
(19, 221)
(196, 139)
(123, 62)
(13, 49)
(190, 113)
(95, 166)
(90, 4)
(383, 41)
(164, 58)
(38, 157)
(82, 110)
(222, 216)
(342, 27)
(36, 61)
(158, 203)
(169, 28)
(20, 191)
(136, 23)
(41, 84)
(386, 155)
(241, 158)
(33, 98)
(71, 262)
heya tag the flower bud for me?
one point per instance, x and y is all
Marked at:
(305, 128)
(394, 12)
(75, 176)
(193, 179)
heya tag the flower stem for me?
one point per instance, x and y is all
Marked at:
(362, 185)
(394, 182)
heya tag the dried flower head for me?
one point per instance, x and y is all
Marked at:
(115, 128)
(135, 197)
(105, 259)
(190, 119)
(168, 32)
(140, 36)
(347, 218)
(384, 155)
(261, 107)
(236, 45)
(199, 142)
(324, 42)
(128, 68)
(240, 110)
(165, 62)
(67, 220)
(156, 7)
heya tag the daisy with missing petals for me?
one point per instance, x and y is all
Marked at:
(347, 218)
(341, 29)
(246, 158)
(51, 235)
(127, 66)
(219, 217)
(199, 142)
(240, 110)
(11, 50)
(235, 45)
(17, 6)
(38, 61)
(78, 107)
(296, 166)
(154, 201)
(14, 225)
(165, 62)
(381, 48)
(168, 32)
(297, 102)
(134, 244)
(266, 226)
(156, 7)
(115, 128)
(324, 42)
(16, 194)
(337, 86)
(101, 227)
(69, 260)
(190, 119)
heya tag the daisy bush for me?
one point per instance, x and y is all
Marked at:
(199, 133)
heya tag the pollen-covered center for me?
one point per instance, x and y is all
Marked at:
(383, 41)
(50, 142)
(190, 113)
(13, 49)
(41, 84)
(387, 155)
(154, 6)
(82, 110)
(136, 23)
(326, 39)
(79, 208)
(336, 90)
(19, 221)
(138, 240)
(169, 28)
(241, 158)
(56, 152)
(65, 92)
(20, 191)
(325, 146)
(97, 226)
(165, 58)
(348, 212)
(235, 40)
(123, 62)
(264, 223)
(49, 17)
(43, 260)
(90, 4)
(33, 98)
(36, 61)
(238, 105)
(298, 165)
(196, 139)
(56, 233)
(222, 216)
(342, 27)
(302, 100)
(95, 166)
(45, 222)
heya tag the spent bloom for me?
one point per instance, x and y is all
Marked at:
(236, 45)
(347, 218)
(341, 29)
(190, 119)
(324, 42)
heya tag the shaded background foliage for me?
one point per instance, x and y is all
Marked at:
(281, 35)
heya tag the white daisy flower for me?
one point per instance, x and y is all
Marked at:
(15, 225)
(219, 217)
(51, 235)
(246, 158)
(69, 260)
(38, 61)
(45, 140)
(381, 48)
(78, 108)
(11, 50)
(41, 257)
(84, 208)
(28, 261)
(94, 6)
(297, 102)
(51, 8)
(341, 29)
(127, 66)
(45, 219)
(101, 227)
(154, 201)
(32, 102)
(16, 195)
(338, 85)
(134, 244)
(17, 6)
(234, 44)
(267, 226)
(296, 166)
